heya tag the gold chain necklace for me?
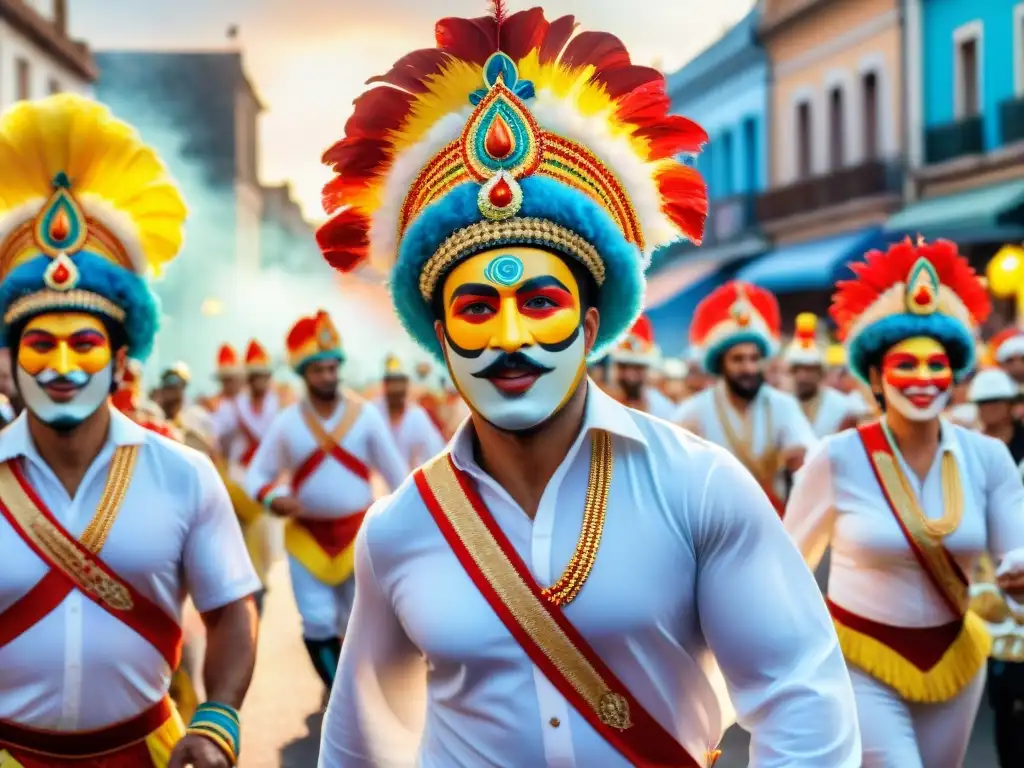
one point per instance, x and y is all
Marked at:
(595, 508)
(952, 494)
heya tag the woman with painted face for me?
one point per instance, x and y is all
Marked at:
(558, 582)
(909, 503)
(105, 526)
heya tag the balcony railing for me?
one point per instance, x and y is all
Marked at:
(1011, 120)
(875, 177)
(948, 142)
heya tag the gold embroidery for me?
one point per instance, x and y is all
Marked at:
(517, 597)
(763, 467)
(71, 559)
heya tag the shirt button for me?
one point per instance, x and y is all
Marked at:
(555, 722)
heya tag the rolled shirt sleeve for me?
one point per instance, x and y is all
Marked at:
(217, 566)
(810, 511)
(767, 625)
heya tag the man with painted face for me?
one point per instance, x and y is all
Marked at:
(105, 526)
(558, 582)
(827, 410)
(634, 357)
(415, 435)
(326, 447)
(909, 503)
(736, 329)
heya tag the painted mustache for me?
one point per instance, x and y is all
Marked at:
(49, 376)
(517, 362)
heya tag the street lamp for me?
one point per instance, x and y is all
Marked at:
(1005, 274)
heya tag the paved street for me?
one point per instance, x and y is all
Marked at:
(281, 717)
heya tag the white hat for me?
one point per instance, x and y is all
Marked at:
(674, 368)
(992, 384)
(804, 349)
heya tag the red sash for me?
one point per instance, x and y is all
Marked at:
(542, 630)
(935, 560)
(251, 443)
(121, 745)
(334, 534)
(73, 566)
(330, 445)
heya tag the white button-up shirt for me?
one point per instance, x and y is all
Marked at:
(833, 408)
(331, 490)
(415, 434)
(694, 567)
(837, 499)
(80, 668)
(238, 419)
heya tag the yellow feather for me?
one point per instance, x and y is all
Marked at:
(105, 160)
(447, 92)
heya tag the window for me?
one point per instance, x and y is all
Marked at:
(804, 165)
(750, 155)
(727, 164)
(24, 75)
(54, 86)
(967, 98)
(836, 134)
(1018, 49)
(869, 95)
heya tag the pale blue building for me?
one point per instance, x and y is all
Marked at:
(725, 90)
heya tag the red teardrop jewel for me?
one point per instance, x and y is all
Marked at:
(501, 194)
(60, 227)
(922, 297)
(61, 274)
(499, 143)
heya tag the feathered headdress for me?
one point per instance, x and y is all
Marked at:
(732, 314)
(804, 349)
(1006, 344)
(87, 212)
(512, 131)
(313, 338)
(256, 358)
(227, 361)
(913, 289)
(637, 347)
(393, 368)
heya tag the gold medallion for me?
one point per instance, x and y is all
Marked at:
(613, 711)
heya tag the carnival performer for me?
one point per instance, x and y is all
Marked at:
(673, 377)
(104, 525)
(633, 357)
(523, 264)
(314, 468)
(230, 376)
(828, 410)
(415, 435)
(1007, 348)
(908, 504)
(736, 329)
(251, 413)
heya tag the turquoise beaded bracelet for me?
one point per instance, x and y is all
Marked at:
(220, 724)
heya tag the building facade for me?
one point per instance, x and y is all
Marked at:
(287, 240)
(725, 90)
(200, 111)
(965, 104)
(836, 141)
(37, 55)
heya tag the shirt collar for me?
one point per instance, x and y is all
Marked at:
(15, 440)
(601, 412)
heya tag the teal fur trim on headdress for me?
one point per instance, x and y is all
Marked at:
(327, 354)
(618, 299)
(96, 275)
(867, 347)
(712, 358)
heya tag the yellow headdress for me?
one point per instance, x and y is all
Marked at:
(804, 349)
(87, 212)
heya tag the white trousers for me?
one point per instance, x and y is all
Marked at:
(324, 609)
(900, 734)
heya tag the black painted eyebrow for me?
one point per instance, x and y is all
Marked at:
(542, 281)
(474, 289)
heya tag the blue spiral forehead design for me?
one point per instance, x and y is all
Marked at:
(504, 270)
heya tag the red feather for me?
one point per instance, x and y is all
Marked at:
(622, 81)
(716, 307)
(643, 105)
(472, 40)
(499, 12)
(880, 271)
(684, 199)
(601, 50)
(345, 239)
(378, 112)
(523, 32)
(558, 34)
(643, 330)
(358, 157)
(672, 135)
(412, 70)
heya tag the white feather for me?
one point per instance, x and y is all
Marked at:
(120, 225)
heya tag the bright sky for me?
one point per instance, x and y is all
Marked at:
(309, 58)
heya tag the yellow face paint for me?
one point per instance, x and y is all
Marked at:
(511, 298)
(917, 377)
(64, 343)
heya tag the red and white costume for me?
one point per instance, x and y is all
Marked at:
(829, 410)
(638, 348)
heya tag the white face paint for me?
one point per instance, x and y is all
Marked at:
(518, 411)
(93, 391)
(917, 379)
(903, 401)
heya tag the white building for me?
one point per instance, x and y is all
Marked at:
(37, 57)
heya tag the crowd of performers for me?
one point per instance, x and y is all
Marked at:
(548, 562)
